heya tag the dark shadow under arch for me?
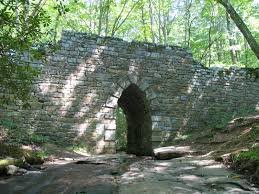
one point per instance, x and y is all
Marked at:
(135, 106)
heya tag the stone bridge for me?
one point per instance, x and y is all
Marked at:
(161, 90)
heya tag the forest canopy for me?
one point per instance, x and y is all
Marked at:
(202, 25)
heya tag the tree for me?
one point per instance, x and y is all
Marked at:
(199, 25)
(241, 26)
(22, 26)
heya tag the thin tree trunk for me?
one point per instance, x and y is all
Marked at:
(151, 21)
(231, 41)
(90, 13)
(188, 4)
(246, 57)
(100, 16)
(219, 54)
(17, 15)
(117, 24)
(107, 11)
(159, 22)
(210, 45)
(241, 26)
(143, 23)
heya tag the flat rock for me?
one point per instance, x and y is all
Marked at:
(166, 153)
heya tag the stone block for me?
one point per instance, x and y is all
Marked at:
(109, 135)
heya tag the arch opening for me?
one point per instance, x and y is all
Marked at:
(135, 106)
(121, 130)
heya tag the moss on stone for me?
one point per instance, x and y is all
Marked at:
(251, 72)
(19, 156)
(10, 161)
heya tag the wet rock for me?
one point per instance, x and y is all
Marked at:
(11, 169)
(39, 167)
(166, 153)
(14, 170)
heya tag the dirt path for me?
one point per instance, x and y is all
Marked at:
(109, 174)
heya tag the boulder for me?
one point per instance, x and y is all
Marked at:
(14, 170)
(11, 169)
(166, 153)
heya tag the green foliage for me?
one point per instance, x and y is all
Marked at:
(121, 130)
(15, 151)
(22, 27)
(35, 157)
(18, 136)
(248, 155)
(200, 25)
(218, 118)
(38, 139)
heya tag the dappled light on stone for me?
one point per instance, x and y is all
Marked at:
(76, 95)
(182, 175)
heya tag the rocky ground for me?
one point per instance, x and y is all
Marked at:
(236, 145)
(187, 167)
(123, 173)
(190, 174)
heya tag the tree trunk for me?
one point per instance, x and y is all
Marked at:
(187, 36)
(231, 41)
(241, 26)
(100, 17)
(219, 51)
(246, 56)
(107, 11)
(151, 21)
(143, 23)
(210, 45)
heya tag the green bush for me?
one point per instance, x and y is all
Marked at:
(121, 130)
(248, 155)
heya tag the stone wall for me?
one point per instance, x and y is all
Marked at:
(83, 80)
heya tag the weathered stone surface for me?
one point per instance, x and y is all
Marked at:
(182, 175)
(14, 170)
(83, 80)
(126, 175)
(166, 153)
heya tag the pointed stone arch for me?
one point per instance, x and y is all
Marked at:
(134, 96)
(135, 106)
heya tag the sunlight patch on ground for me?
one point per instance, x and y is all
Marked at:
(82, 152)
(190, 178)
(160, 168)
(247, 130)
(164, 164)
(215, 166)
(203, 162)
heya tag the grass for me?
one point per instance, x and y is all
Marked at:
(251, 155)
